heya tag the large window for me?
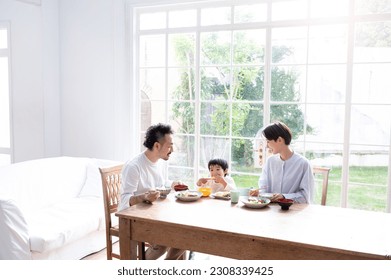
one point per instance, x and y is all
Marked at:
(218, 72)
(5, 131)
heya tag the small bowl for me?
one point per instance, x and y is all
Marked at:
(164, 192)
(179, 188)
(285, 203)
(206, 191)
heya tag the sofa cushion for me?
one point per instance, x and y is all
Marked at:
(64, 222)
(40, 183)
(13, 232)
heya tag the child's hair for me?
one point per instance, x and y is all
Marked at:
(218, 161)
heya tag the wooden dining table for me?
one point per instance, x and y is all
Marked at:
(217, 227)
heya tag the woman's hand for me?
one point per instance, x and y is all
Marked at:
(254, 192)
(276, 196)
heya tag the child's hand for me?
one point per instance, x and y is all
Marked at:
(220, 180)
(203, 181)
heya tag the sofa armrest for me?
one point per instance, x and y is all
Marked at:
(14, 236)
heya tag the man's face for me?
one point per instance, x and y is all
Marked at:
(166, 147)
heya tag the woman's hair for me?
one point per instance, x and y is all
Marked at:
(155, 133)
(278, 129)
(218, 161)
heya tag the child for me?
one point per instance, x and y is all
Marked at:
(219, 179)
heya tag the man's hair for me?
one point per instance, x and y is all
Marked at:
(278, 129)
(155, 133)
(218, 161)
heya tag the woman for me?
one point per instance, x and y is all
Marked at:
(285, 174)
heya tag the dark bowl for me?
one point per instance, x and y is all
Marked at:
(285, 203)
(179, 188)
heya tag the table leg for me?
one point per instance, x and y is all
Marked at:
(127, 246)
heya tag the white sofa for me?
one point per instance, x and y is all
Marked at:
(51, 208)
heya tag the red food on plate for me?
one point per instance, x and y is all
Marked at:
(181, 187)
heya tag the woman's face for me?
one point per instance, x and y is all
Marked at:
(216, 171)
(274, 146)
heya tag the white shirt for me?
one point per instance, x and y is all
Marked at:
(293, 178)
(216, 187)
(139, 176)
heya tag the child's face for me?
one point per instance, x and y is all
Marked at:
(216, 171)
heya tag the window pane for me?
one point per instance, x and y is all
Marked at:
(4, 104)
(181, 174)
(3, 39)
(249, 46)
(288, 83)
(215, 83)
(244, 156)
(247, 119)
(372, 7)
(183, 154)
(215, 118)
(153, 21)
(325, 123)
(371, 83)
(158, 113)
(215, 48)
(289, 9)
(291, 114)
(181, 117)
(250, 13)
(184, 18)
(181, 84)
(213, 148)
(289, 45)
(328, 44)
(370, 124)
(326, 84)
(329, 8)
(372, 42)
(216, 16)
(368, 175)
(248, 83)
(152, 83)
(181, 50)
(245, 181)
(152, 50)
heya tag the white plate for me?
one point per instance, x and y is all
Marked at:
(257, 205)
(220, 197)
(182, 196)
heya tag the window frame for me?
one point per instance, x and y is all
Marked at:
(350, 20)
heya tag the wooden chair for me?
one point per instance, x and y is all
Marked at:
(324, 172)
(111, 184)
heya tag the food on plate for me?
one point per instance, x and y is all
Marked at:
(257, 200)
(222, 194)
(180, 187)
(188, 194)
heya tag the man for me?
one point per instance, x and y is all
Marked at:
(142, 175)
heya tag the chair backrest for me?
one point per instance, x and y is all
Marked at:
(324, 172)
(111, 183)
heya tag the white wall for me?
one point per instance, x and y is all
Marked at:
(33, 78)
(94, 93)
(70, 81)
